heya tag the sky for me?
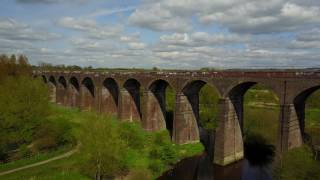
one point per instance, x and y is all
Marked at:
(171, 34)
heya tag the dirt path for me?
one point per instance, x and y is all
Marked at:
(67, 154)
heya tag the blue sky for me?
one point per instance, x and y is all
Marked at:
(184, 34)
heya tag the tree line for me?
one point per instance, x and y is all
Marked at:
(25, 126)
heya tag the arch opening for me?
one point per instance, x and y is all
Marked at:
(88, 84)
(165, 97)
(88, 93)
(44, 79)
(73, 91)
(62, 91)
(261, 114)
(132, 86)
(62, 81)
(254, 111)
(74, 82)
(307, 106)
(53, 89)
(109, 96)
(203, 98)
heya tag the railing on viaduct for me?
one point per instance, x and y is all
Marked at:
(119, 93)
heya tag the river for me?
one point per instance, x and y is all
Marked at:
(200, 167)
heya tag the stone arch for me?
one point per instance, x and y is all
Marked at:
(167, 81)
(87, 93)
(62, 81)
(130, 100)
(187, 111)
(52, 88)
(62, 91)
(156, 116)
(192, 89)
(44, 78)
(229, 134)
(74, 92)
(236, 95)
(299, 105)
(109, 96)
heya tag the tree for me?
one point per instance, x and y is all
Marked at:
(23, 106)
(103, 148)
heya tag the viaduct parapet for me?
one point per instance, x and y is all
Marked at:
(140, 97)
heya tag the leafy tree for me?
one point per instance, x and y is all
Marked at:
(102, 148)
(23, 106)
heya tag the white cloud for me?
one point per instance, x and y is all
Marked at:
(78, 24)
(158, 18)
(264, 17)
(136, 45)
(91, 28)
(14, 30)
(203, 39)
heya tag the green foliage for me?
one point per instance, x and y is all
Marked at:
(313, 100)
(312, 125)
(139, 174)
(261, 113)
(170, 99)
(102, 148)
(266, 125)
(26, 160)
(208, 99)
(110, 148)
(133, 135)
(23, 107)
(163, 149)
(298, 164)
(52, 134)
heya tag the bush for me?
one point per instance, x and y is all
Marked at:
(298, 164)
(53, 133)
(157, 166)
(23, 107)
(133, 134)
(102, 148)
(139, 174)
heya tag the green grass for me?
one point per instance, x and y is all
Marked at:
(262, 121)
(60, 169)
(34, 159)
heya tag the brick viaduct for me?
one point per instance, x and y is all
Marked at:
(140, 96)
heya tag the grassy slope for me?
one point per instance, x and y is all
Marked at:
(69, 168)
(34, 159)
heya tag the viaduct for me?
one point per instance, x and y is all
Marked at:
(140, 97)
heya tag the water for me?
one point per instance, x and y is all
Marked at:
(201, 168)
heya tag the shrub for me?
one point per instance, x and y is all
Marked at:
(139, 174)
(23, 106)
(133, 134)
(102, 148)
(54, 133)
(298, 164)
